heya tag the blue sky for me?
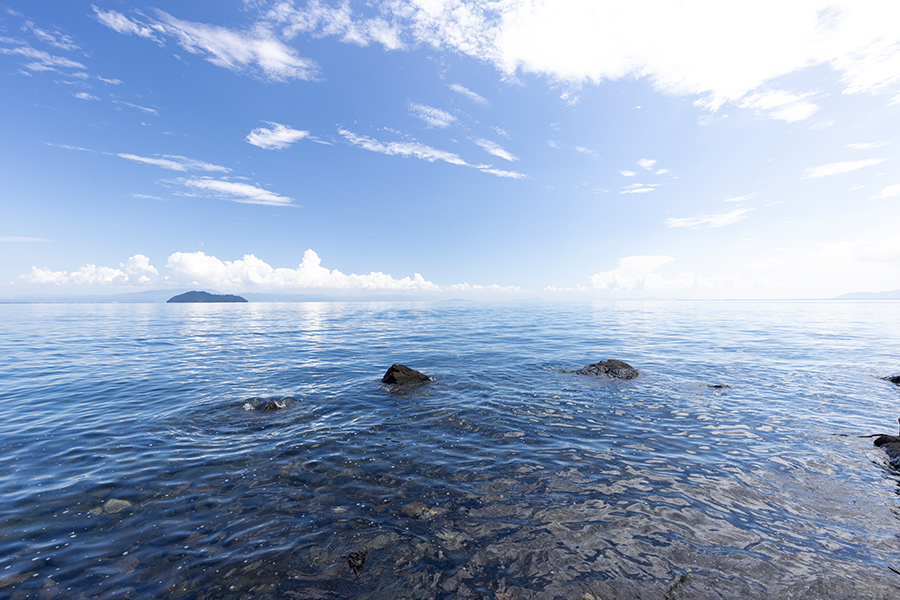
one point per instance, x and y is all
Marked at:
(562, 149)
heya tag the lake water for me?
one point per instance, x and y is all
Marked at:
(133, 464)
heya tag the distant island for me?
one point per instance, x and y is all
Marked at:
(205, 297)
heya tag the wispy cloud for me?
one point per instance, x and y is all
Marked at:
(16, 239)
(174, 162)
(85, 96)
(778, 104)
(868, 145)
(639, 188)
(422, 152)
(717, 220)
(627, 173)
(434, 117)
(149, 111)
(495, 149)
(740, 198)
(277, 137)
(38, 60)
(888, 192)
(476, 98)
(839, 168)
(256, 51)
(646, 163)
(234, 191)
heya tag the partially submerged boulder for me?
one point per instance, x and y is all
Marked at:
(891, 445)
(895, 379)
(269, 404)
(613, 369)
(403, 375)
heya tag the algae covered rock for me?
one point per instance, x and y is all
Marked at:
(612, 369)
(403, 375)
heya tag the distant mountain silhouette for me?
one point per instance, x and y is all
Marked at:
(205, 297)
(894, 295)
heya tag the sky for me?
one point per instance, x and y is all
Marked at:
(561, 149)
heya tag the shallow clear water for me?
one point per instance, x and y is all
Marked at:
(130, 466)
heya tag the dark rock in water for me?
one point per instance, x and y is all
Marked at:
(269, 404)
(891, 445)
(357, 559)
(403, 375)
(614, 369)
(205, 297)
(718, 386)
(895, 379)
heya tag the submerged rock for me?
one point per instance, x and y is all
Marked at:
(357, 559)
(403, 375)
(116, 505)
(891, 445)
(613, 369)
(268, 404)
(895, 379)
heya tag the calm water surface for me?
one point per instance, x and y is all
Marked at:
(133, 464)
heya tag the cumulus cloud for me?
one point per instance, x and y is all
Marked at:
(627, 173)
(196, 268)
(173, 162)
(840, 168)
(235, 191)
(466, 92)
(495, 149)
(255, 51)
(434, 117)
(277, 137)
(138, 268)
(717, 220)
(640, 273)
(86, 275)
(646, 163)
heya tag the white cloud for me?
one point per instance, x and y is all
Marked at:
(646, 163)
(640, 273)
(122, 24)
(39, 60)
(476, 98)
(196, 268)
(244, 52)
(839, 168)
(86, 275)
(717, 220)
(740, 198)
(414, 149)
(638, 188)
(234, 191)
(175, 163)
(277, 137)
(661, 172)
(434, 117)
(777, 104)
(86, 96)
(138, 268)
(721, 51)
(149, 111)
(628, 173)
(888, 192)
(8, 238)
(867, 146)
(495, 149)
(422, 152)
